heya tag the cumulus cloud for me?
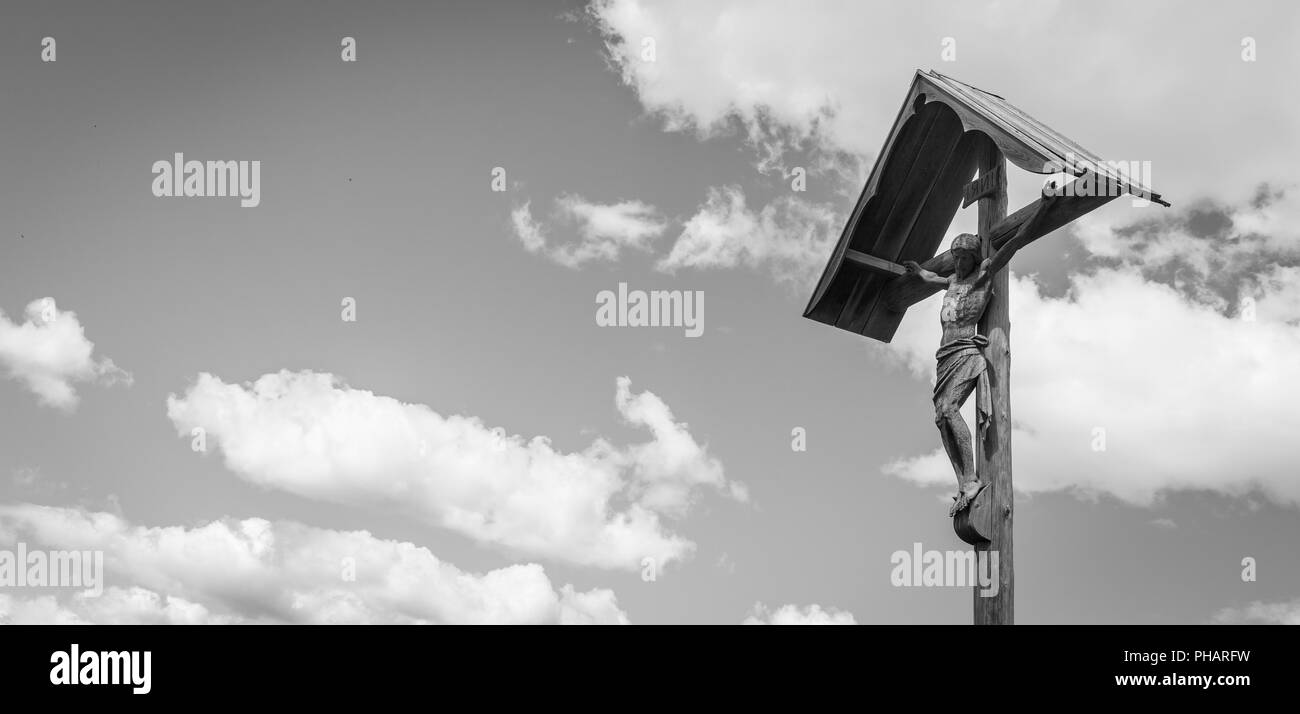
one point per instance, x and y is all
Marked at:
(666, 471)
(795, 615)
(311, 435)
(789, 238)
(116, 606)
(1274, 295)
(1261, 613)
(828, 78)
(600, 232)
(714, 73)
(258, 571)
(1133, 387)
(48, 353)
(1234, 253)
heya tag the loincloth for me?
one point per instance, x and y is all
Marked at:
(959, 363)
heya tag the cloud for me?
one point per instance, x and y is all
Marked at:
(794, 615)
(828, 78)
(713, 73)
(116, 606)
(308, 434)
(666, 470)
(1237, 253)
(789, 238)
(1131, 387)
(1261, 613)
(48, 352)
(257, 571)
(603, 231)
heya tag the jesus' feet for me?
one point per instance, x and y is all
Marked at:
(959, 502)
(969, 491)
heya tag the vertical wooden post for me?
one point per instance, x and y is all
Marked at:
(994, 508)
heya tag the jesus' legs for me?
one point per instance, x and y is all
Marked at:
(956, 439)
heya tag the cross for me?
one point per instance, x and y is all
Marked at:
(885, 262)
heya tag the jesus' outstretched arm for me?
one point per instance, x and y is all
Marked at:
(1023, 236)
(929, 277)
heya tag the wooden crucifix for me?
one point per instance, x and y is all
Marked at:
(945, 132)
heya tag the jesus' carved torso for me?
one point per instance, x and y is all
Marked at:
(963, 306)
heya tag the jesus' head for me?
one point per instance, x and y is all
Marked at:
(966, 252)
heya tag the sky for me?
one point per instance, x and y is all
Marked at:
(383, 394)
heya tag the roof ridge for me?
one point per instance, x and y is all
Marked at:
(964, 84)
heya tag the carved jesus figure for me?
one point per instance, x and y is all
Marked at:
(961, 366)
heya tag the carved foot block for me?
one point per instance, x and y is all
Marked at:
(974, 523)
